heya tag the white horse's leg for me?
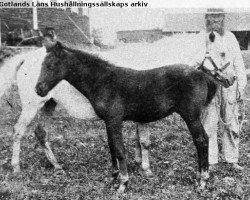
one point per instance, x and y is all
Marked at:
(138, 156)
(27, 115)
(42, 138)
(144, 135)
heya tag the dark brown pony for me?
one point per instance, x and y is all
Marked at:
(119, 94)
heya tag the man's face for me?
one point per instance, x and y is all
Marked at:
(215, 22)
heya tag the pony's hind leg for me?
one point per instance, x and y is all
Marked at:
(42, 138)
(138, 156)
(144, 140)
(24, 120)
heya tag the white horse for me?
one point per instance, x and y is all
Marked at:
(24, 69)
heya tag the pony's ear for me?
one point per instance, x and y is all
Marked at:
(211, 36)
(49, 38)
(55, 47)
(49, 34)
(48, 44)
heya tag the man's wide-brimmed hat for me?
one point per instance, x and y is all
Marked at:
(215, 11)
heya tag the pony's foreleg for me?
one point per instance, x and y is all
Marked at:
(115, 167)
(117, 150)
(138, 156)
(24, 120)
(42, 138)
(144, 138)
(200, 139)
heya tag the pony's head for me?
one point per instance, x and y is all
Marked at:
(217, 61)
(220, 75)
(54, 68)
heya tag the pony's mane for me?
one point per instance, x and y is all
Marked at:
(212, 88)
(87, 55)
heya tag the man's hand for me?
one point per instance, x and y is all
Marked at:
(240, 95)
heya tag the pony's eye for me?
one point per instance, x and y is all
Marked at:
(57, 63)
(222, 54)
(49, 66)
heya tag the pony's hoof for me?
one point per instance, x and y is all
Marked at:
(59, 172)
(203, 178)
(121, 189)
(148, 173)
(115, 175)
(138, 161)
(201, 187)
(16, 170)
(16, 175)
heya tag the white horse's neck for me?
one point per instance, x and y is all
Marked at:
(10, 68)
(8, 73)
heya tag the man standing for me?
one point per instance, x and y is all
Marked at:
(224, 106)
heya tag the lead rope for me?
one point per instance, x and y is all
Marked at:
(241, 109)
(219, 104)
(236, 104)
(218, 101)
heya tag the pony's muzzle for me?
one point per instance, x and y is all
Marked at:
(231, 80)
(227, 80)
(41, 89)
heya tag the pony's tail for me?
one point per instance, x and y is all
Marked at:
(8, 72)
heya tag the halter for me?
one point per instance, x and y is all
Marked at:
(216, 70)
(207, 56)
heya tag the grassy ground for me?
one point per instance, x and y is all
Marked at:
(81, 148)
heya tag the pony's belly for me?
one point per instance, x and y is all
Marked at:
(146, 118)
(73, 101)
(154, 111)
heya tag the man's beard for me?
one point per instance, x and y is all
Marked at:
(219, 28)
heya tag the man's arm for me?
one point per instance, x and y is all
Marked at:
(238, 65)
